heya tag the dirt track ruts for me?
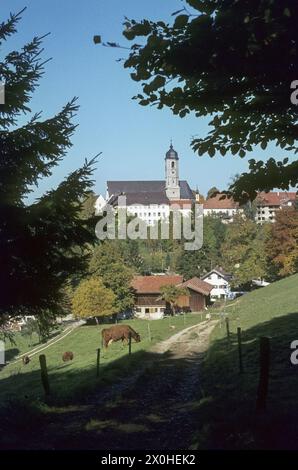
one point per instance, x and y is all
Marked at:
(155, 408)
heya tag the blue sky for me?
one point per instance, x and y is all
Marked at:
(133, 138)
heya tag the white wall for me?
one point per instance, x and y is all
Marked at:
(221, 287)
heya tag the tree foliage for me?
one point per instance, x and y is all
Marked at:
(88, 205)
(282, 247)
(244, 250)
(171, 293)
(38, 241)
(234, 60)
(107, 262)
(93, 299)
(196, 263)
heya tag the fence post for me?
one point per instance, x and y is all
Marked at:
(184, 318)
(228, 328)
(97, 362)
(44, 373)
(129, 344)
(264, 374)
(149, 332)
(240, 350)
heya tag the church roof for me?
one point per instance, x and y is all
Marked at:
(143, 198)
(139, 189)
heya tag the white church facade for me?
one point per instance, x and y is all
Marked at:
(151, 201)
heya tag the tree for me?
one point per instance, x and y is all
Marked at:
(228, 59)
(196, 263)
(38, 241)
(29, 328)
(282, 246)
(107, 263)
(243, 250)
(212, 192)
(93, 299)
(88, 205)
(170, 294)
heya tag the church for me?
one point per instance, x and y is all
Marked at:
(152, 201)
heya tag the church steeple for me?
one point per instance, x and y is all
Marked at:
(172, 174)
(171, 153)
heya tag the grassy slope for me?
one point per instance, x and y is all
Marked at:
(227, 411)
(70, 380)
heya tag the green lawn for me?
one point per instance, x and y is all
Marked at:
(226, 412)
(70, 380)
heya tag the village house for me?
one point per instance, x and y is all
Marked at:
(150, 305)
(269, 203)
(220, 280)
(222, 206)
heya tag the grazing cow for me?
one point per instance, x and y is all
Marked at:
(26, 360)
(117, 332)
(67, 356)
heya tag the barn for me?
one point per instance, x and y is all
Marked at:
(148, 301)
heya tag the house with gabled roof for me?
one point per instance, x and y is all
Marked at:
(220, 282)
(149, 303)
(268, 203)
(222, 206)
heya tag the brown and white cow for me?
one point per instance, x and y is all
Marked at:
(117, 333)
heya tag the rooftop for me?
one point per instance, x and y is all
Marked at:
(220, 201)
(198, 285)
(275, 198)
(152, 284)
(138, 189)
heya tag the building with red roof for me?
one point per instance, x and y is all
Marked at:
(149, 303)
(269, 203)
(222, 206)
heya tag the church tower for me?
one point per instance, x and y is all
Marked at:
(172, 174)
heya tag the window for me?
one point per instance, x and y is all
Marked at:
(173, 165)
(147, 310)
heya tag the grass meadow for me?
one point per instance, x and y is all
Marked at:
(226, 416)
(71, 380)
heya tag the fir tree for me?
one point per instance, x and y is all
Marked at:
(38, 241)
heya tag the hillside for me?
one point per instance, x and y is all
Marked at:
(73, 379)
(227, 410)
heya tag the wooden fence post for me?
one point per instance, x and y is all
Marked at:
(264, 374)
(149, 332)
(240, 350)
(129, 344)
(44, 374)
(97, 362)
(228, 328)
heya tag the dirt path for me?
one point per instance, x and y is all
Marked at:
(153, 408)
